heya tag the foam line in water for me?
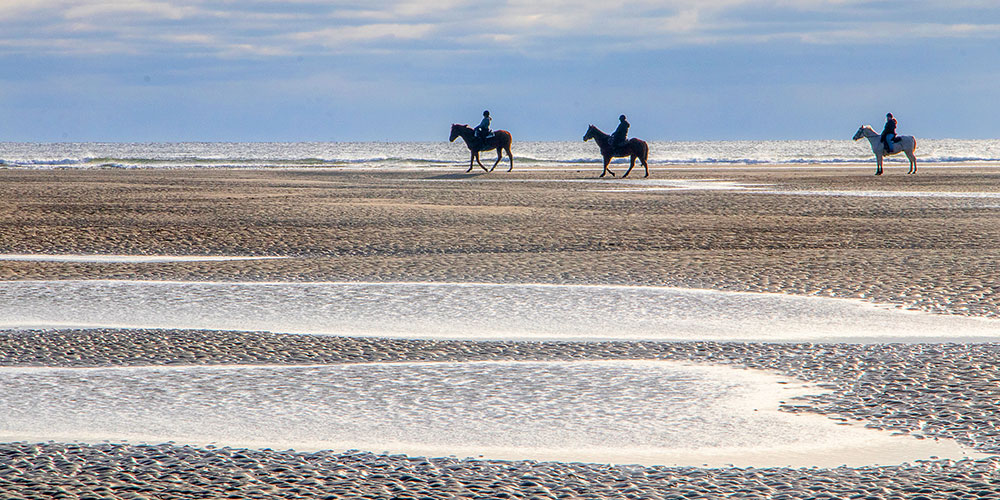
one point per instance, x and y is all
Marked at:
(648, 412)
(472, 311)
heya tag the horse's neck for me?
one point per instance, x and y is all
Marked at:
(469, 136)
(601, 138)
(876, 141)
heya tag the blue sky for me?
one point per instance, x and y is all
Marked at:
(173, 70)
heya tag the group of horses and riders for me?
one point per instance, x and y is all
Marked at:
(616, 144)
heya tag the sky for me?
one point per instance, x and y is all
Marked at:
(405, 70)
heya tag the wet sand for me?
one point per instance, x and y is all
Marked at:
(935, 254)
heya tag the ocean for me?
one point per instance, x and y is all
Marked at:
(437, 154)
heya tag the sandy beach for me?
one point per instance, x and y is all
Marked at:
(924, 243)
(932, 253)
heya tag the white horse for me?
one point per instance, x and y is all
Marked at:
(906, 144)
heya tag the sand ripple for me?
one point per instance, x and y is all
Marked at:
(43, 471)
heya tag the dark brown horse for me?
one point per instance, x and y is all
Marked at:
(635, 148)
(500, 141)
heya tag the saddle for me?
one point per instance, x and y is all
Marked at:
(483, 140)
(895, 140)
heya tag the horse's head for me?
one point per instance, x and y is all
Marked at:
(861, 132)
(456, 131)
(591, 133)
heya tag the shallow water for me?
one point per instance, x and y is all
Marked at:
(473, 311)
(648, 412)
(646, 185)
(127, 259)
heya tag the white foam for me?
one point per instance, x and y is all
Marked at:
(472, 311)
(128, 259)
(647, 412)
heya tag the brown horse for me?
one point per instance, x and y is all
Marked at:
(635, 148)
(500, 141)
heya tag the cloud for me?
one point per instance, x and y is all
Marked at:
(123, 10)
(339, 36)
(272, 28)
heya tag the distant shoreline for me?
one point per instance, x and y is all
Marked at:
(528, 154)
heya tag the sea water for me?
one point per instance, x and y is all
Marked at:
(441, 153)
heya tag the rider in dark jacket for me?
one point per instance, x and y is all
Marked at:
(620, 133)
(889, 132)
(483, 129)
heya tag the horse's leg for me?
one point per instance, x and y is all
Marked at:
(511, 156)
(878, 165)
(471, 156)
(607, 160)
(499, 157)
(480, 163)
(913, 162)
(644, 165)
(630, 166)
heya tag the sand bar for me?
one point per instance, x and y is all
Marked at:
(936, 254)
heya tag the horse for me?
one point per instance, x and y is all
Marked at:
(500, 141)
(907, 142)
(633, 148)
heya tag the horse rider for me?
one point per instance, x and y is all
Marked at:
(620, 133)
(889, 132)
(483, 129)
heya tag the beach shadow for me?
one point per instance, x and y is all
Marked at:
(458, 176)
